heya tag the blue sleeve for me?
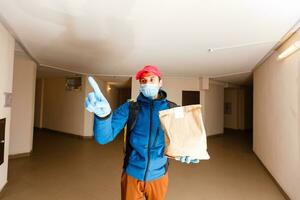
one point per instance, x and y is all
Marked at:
(106, 129)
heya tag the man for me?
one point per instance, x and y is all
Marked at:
(145, 165)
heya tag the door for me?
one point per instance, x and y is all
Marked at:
(190, 97)
(2, 136)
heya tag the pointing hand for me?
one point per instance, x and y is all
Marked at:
(95, 101)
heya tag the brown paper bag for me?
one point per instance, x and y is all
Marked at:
(184, 132)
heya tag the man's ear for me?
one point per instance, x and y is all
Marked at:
(160, 83)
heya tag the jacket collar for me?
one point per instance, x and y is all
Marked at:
(162, 95)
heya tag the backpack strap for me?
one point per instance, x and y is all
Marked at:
(134, 109)
(132, 118)
(172, 104)
(133, 112)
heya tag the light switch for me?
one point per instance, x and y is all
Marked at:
(8, 99)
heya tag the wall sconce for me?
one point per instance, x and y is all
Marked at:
(108, 88)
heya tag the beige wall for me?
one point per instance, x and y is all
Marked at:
(63, 110)
(38, 111)
(173, 87)
(241, 108)
(88, 117)
(22, 113)
(276, 138)
(249, 108)
(6, 80)
(113, 97)
(231, 96)
(214, 109)
(211, 100)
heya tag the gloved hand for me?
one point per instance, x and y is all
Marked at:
(187, 159)
(95, 101)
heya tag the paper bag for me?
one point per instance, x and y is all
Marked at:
(184, 132)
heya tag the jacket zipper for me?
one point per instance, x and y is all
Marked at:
(156, 136)
(146, 172)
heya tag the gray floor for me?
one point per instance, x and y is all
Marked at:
(62, 167)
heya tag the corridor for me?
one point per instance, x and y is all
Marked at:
(66, 167)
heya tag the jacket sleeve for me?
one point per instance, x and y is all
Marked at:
(106, 129)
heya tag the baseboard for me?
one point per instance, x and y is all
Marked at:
(215, 135)
(67, 134)
(274, 180)
(233, 129)
(19, 155)
(3, 190)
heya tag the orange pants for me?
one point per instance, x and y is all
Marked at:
(133, 189)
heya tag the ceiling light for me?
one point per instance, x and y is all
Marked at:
(290, 50)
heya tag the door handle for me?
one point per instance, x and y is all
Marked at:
(2, 141)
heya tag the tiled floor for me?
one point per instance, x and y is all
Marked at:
(62, 168)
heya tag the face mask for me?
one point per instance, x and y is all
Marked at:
(149, 90)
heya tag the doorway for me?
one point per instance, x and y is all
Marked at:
(190, 97)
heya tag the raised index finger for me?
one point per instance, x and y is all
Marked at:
(95, 87)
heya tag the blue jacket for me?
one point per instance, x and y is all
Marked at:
(146, 159)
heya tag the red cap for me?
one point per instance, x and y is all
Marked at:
(147, 69)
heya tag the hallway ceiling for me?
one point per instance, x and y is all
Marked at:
(117, 37)
(243, 79)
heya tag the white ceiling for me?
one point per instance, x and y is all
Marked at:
(117, 37)
(46, 72)
(115, 81)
